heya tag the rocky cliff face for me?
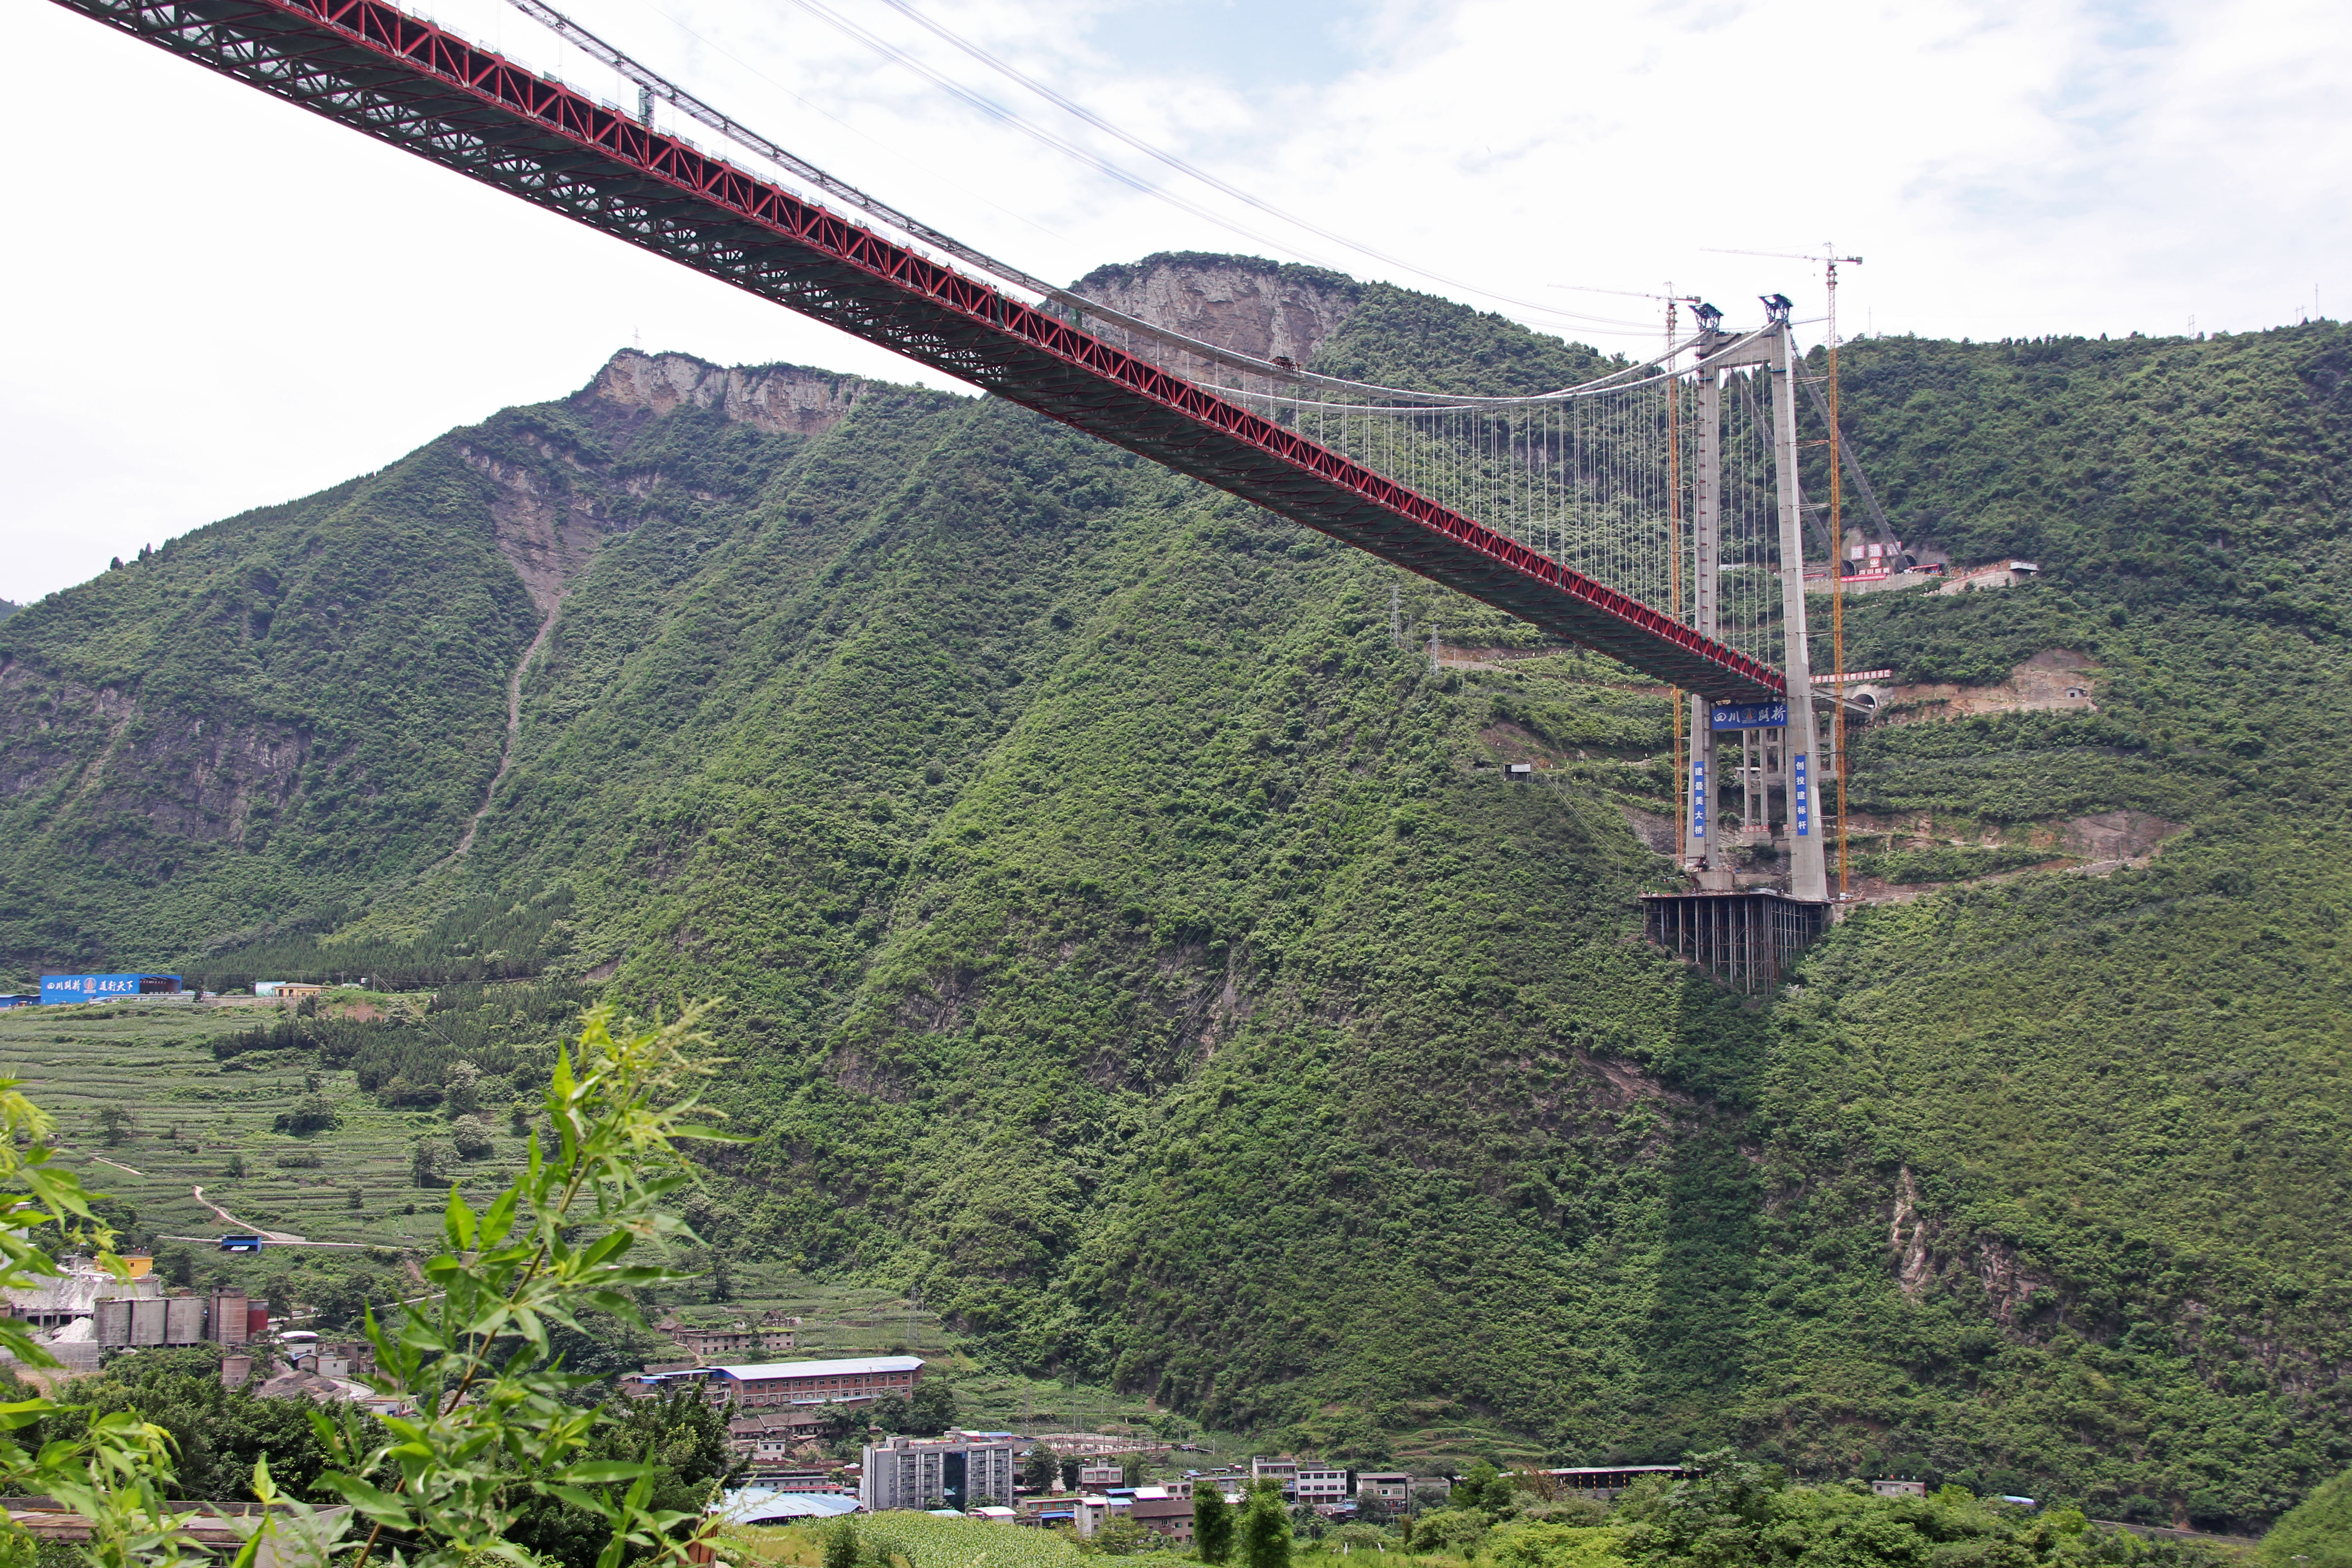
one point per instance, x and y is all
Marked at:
(1259, 308)
(782, 399)
(552, 512)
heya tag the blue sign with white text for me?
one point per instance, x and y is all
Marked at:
(1698, 797)
(1751, 716)
(1803, 806)
(58, 988)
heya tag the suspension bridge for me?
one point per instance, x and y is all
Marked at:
(1653, 514)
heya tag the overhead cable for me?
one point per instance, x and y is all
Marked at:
(989, 266)
(1082, 113)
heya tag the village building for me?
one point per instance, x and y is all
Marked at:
(1089, 1445)
(960, 1471)
(1315, 1485)
(1169, 1517)
(781, 1385)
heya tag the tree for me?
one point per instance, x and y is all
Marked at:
(462, 1085)
(1041, 1469)
(1535, 1544)
(840, 1428)
(311, 1113)
(518, 1118)
(841, 1544)
(499, 1429)
(889, 1413)
(1723, 1501)
(682, 1436)
(1449, 1530)
(116, 1122)
(1487, 1489)
(1212, 1522)
(471, 1137)
(2315, 1533)
(1265, 1529)
(1122, 1537)
(1071, 1464)
(932, 1410)
(427, 1157)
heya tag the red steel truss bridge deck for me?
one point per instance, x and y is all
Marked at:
(406, 81)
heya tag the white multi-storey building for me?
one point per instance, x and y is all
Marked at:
(959, 1471)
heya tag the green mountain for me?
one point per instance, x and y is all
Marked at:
(1126, 939)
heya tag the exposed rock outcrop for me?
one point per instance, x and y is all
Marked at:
(781, 399)
(204, 779)
(1262, 308)
(546, 533)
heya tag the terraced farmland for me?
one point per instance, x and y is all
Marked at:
(197, 1122)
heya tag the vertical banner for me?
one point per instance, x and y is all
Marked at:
(1698, 797)
(1801, 808)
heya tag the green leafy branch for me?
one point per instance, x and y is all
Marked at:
(484, 1418)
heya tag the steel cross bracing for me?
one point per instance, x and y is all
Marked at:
(406, 81)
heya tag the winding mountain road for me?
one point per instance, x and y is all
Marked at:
(229, 1218)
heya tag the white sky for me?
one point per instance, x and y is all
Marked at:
(219, 302)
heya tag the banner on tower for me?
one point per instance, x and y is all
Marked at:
(1751, 716)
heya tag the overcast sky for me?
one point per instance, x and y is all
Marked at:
(219, 302)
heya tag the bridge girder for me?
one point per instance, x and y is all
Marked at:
(374, 68)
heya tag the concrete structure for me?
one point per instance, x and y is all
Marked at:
(139, 1314)
(1084, 1444)
(1095, 1475)
(1608, 1480)
(2000, 574)
(1096, 1509)
(1049, 1508)
(1745, 939)
(1383, 1488)
(960, 1471)
(1284, 1469)
(707, 1345)
(753, 1385)
(770, 1505)
(54, 1303)
(769, 1439)
(1899, 1488)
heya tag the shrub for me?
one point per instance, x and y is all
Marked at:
(311, 1113)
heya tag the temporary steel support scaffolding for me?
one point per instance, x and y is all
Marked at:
(1746, 939)
(404, 81)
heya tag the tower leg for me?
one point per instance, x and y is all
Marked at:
(1800, 749)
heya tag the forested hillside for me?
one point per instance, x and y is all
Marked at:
(1126, 939)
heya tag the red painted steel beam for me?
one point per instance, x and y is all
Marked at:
(403, 80)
